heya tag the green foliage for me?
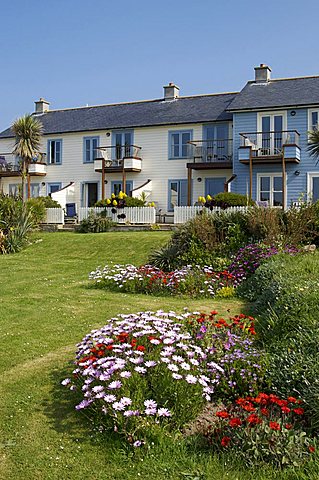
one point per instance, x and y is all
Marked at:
(36, 207)
(285, 295)
(49, 202)
(229, 199)
(209, 237)
(95, 224)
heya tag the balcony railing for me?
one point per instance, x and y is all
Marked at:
(118, 153)
(212, 151)
(269, 143)
(10, 163)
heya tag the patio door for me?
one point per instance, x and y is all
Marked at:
(123, 144)
(217, 142)
(89, 194)
(214, 185)
(271, 134)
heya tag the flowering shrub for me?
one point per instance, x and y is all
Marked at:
(197, 281)
(141, 370)
(264, 428)
(250, 257)
(230, 344)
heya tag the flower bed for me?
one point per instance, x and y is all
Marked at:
(196, 281)
(141, 370)
(264, 428)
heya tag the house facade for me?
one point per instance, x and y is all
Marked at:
(174, 149)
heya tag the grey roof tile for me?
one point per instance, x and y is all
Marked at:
(286, 92)
(196, 109)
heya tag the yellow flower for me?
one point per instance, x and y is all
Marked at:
(114, 202)
(108, 201)
(121, 195)
(208, 198)
(113, 195)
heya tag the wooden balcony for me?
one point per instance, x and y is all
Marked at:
(211, 154)
(10, 166)
(117, 158)
(269, 147)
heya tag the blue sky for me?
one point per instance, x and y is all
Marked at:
(77, 52)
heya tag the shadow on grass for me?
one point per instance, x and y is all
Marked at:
(59, 408)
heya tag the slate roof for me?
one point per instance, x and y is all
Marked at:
(195, 109)
(286, 92)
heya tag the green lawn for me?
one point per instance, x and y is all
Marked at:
(46, 307)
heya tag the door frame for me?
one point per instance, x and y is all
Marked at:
(84, 192)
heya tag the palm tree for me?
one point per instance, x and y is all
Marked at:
(313, 144)
(28, 131)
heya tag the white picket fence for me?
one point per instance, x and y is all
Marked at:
(54, 215)
(141, 215)
(183, 214)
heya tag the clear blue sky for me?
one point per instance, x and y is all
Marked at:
(77, 52)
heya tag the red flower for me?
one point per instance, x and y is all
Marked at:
(225, 441)
(235, 422)
(288, 426)
(299, 411)
(311, 449)
(248, 407)
(109, 347)
(214, 312)
(253, 419)
(285, 410)
(140, 348)
(222, 414)
(274, 425)
(292, 399)
(265, 412)
(282, 403)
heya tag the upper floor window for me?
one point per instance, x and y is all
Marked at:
(313, 120)
(178, 143)
(90, 152)
(55, 152)
(122, 143)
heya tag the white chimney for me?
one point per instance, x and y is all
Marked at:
(171, 91)
(41, 106)
(262, 73)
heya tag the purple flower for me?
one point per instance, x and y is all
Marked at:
(83, 404)
(114, 385)
(137, 443)
(150, 404)
(164, 412)
(109, 398)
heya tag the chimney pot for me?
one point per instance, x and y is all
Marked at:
(262, 73)
(171, 91)
(41, 106)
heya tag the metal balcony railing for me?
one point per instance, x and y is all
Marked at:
(210, 151)
(269, 143)
(117, 153)
(11, 163)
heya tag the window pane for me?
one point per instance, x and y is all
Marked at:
(54, 188)
(265, 196)
(52, 152)
(265, 143)
(277, 199)
(117, 187)
(185, 146)
(87, 150)
(57, 152)
(314, 120)
(173, 194)
(315, 189)
(94, 150)
(265, 184)
(277, 184)
(210, 133)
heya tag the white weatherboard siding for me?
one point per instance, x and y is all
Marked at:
(156, 165)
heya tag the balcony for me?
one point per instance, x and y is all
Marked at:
(269, 147)
(122, 157)
(211, 154)
(11, 167)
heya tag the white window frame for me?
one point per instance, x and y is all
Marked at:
(310, 112)
(272, 113)
(310, 176)
(271, 175)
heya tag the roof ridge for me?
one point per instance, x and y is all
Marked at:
(137, 101)
(285, 79)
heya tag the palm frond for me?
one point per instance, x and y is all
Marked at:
(313, 144)
(28, 131)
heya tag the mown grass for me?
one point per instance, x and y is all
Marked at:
(46, 308)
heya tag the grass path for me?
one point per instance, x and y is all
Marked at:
(46, 307)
